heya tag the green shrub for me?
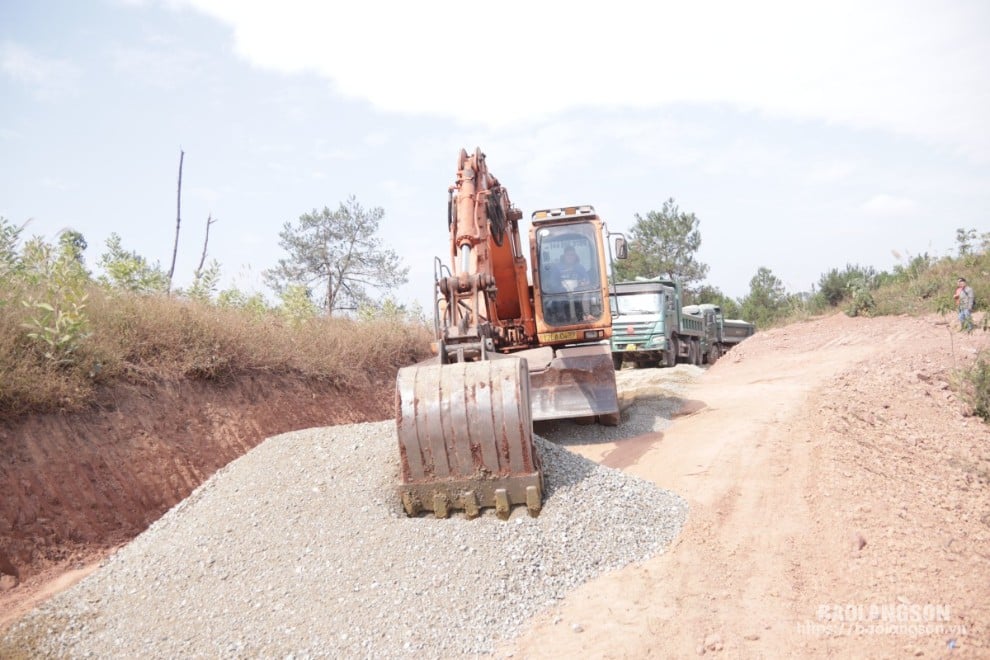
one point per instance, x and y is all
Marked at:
(861, 299)
(205, 282)
(55, 297)
(973, 385)
(297, 305)
(835, 285)
(128, 271)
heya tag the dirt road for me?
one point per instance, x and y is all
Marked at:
(840, 505)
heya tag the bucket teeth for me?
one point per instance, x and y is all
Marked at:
(533, 501)
(441, 505)
(501, 503)
(410, 503)
(470, 502)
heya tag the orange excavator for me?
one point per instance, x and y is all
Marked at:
(509, 350)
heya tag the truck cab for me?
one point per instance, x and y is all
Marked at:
(645, 320)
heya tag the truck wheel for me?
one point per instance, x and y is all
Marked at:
(617, 360)
(670, 356)
(713, 354)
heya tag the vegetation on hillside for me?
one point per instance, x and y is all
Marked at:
(920, 284)
(664, 244)
(65, 332)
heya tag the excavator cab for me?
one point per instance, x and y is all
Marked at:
(572, 374)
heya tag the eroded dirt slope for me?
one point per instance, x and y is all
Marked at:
(830, 472)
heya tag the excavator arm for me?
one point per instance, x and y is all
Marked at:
(464, 419)
(486, 298)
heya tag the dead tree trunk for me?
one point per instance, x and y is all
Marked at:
(206, 242)
(178, 221)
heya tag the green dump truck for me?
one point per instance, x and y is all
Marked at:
(721, 333)
(651, 327)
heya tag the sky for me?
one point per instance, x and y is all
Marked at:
(804, 136)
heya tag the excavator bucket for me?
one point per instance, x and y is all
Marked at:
(466, 438)
(576, 382)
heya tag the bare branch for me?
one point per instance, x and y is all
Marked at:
(206, 241)
(178, 221)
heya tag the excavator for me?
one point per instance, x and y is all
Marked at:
(507, 351)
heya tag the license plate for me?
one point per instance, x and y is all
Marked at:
(630, 347)
(559, 336)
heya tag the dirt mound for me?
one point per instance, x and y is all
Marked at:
(839, 505)
(75, 486)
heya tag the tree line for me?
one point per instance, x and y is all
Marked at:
(665, 243)
(335, 263)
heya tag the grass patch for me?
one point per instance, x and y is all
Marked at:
(148, 338)
(973, 386)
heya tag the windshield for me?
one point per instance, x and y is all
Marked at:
(637, 303)
(569, 273)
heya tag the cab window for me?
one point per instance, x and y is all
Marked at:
(569, 274)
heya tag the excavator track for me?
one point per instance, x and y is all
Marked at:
(465, 436)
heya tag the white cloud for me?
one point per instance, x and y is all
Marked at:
(161, 64)
(917, 70)
(334, 153)
(376, 139)
(832, 172)
(890, 206)
(210, 196)
(58, 185)
(398, 190)
(50, 77)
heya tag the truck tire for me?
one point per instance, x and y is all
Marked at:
(670, 355)
(714, 353)
(617, 360)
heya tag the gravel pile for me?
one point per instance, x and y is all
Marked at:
(300, 548)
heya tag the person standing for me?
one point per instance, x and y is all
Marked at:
(964, 303)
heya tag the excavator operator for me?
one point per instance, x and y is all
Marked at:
(572, 272)
(567, 276)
